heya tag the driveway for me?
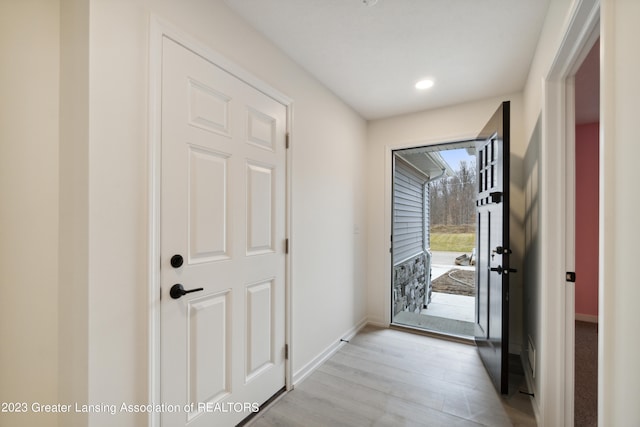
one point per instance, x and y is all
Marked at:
(444, 258)
(441, 262)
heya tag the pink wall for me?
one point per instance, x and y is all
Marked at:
(587, 158)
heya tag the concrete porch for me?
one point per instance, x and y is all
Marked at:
(446, 313)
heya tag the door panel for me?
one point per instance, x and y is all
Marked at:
(259, 311)
(482, 272)
(260, 206)
(208, 108)
(222, 210)
(492, 208)
(208, 353)
(208, 226)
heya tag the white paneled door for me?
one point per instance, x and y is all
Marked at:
(222, 243)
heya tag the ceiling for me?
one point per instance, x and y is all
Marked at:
(372, 55)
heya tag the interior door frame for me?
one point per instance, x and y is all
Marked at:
(159, 29)
(558, 215)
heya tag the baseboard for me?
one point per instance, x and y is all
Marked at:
(307, 369)
(380, 323)
(587, 318)
(531, 388)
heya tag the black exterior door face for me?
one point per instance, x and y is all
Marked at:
(492, 240)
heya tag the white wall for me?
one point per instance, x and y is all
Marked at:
(550, 38)
(74, 204)
(425, 128)
(619, 342)
(619, 376)
(101, 179)
(329, 233)
(29, 32)
(534, 286)
(328, 204)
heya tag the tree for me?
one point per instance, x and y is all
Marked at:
(452, 199)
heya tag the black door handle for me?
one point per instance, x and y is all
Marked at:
(178, 290)
(500, 270)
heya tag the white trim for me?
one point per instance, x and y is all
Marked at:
(422, 252)
(551, 350)
(570, 248)
(557, 299)
(587, 318)
(158, 29)
(324, 355)
(288, 323)
(388, 231)
(155, 85)
(414, 168)
(193, 44)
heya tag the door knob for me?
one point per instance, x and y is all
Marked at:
(501, 270)
(178, 290)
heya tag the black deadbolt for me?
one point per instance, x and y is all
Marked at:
(176, 261)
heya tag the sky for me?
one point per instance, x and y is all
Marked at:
(453, 157)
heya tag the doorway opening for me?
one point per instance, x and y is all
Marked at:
(434, 238)
(587, 131)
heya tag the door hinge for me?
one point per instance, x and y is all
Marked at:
(286, 351)
(286, 246)
(286, 140)
(571, 276)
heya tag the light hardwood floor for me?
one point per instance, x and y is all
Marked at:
(386, 377)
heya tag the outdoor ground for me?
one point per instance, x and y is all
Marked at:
(456, 282)
(453, 238)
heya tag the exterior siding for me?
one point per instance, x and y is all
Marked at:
(409, 219)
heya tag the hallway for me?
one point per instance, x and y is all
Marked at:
(386, 377)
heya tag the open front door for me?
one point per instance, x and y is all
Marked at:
(492, 211)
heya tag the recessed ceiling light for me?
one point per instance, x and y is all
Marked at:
(424, 84)
(370, 2)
